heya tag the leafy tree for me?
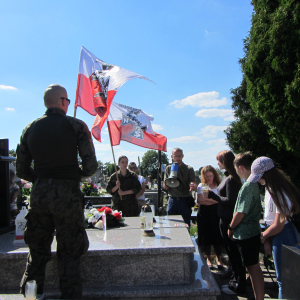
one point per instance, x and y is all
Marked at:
(79, 159)
(149, 163)
(109, 168)
(221, 174)
(100, 166)
(272, 70)
(251, 131)
(12, 153)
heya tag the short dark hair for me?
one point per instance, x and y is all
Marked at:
(132, 164)
(244, 159)
(177, 149)
(122, 156)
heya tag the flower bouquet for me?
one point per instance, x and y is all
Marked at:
(89, 189)
(26, 188)
(113, 218)
(101, 191)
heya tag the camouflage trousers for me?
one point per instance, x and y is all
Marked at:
(55, 205)
(128, 206)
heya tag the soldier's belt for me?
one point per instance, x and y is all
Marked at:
(55, 181)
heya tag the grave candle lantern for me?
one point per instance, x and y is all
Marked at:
(148, 229)
(20, 223)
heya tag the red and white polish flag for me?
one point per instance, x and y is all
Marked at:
(97, 84)
(134, 126)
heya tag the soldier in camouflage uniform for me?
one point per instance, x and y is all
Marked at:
(56, 203)
(128, 186)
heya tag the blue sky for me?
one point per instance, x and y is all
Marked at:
(190, 49)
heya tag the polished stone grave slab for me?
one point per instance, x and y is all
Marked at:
(160, 222)
(122, 255)
(290, 272)
(122, 263)
(203, 286)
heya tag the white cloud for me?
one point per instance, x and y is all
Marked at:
(218, 143)
(207, 33)
(9, 109)
(211, 130)
(209, 99)
(101, 147)
(230, 118)
(224, 113)
(132, 155)
(7, 87)
(186, 139)
(156, 127)
(204, 157)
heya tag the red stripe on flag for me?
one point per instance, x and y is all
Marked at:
(118, 133)
(100, 120)
(114, 128)
(84, 95)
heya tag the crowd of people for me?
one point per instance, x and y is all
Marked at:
(229, 209)
(229, 214)
(234, 210)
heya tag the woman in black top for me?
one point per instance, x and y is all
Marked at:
(128, 186)
(207, 217)
(227, 195)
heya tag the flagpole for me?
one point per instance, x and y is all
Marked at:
(112, 150)
(140, 171)
(75, 109)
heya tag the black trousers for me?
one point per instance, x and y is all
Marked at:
(238, 282)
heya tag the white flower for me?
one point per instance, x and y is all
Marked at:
(99, 224)
(91, 219)
(92, 210)
(27, 185)
(96, 213)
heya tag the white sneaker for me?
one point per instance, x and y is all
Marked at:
(228, 291)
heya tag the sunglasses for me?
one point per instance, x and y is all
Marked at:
(133, 168)
(66, 99)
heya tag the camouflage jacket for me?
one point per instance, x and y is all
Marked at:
(53, 142)
(128, 182)
(186, 175)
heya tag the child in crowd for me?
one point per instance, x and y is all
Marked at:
(244, 227)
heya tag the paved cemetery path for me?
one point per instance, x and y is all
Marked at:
(270, 290)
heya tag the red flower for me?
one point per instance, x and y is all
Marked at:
(107, 210)
(117, 215)
(102, 208)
